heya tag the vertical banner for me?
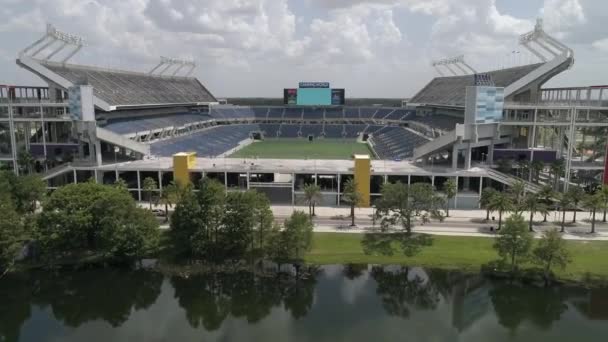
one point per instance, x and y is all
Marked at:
(606, 166)
(290, 96)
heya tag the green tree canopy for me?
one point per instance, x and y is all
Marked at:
(352, 196)
(551, 252)
(94, 218)
(514, 241)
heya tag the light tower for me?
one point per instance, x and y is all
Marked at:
(539, 43)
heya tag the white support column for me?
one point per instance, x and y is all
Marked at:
(454, 157)
(139, 186)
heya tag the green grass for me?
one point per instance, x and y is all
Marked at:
(302, 148)
(449, 252)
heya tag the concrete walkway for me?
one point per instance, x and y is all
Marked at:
(459, 223)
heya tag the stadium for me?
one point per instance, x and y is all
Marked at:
(482, 129)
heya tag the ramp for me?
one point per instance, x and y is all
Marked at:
(122, 141)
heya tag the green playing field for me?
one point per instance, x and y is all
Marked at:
(302, 148)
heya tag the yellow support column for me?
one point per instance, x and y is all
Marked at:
(362, 177)
(182, 163)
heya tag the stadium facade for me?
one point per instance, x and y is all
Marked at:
(107, 124)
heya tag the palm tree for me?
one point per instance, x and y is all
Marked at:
(533, 205)
(576, 194)
(169, 196)
(564, 203)
(450, 187)
(25, 161)
(536, 167)
(557, 169)
(547, 194)
(312, 194)
(524, 169)
(351, 196)
(518, 191)
(501, 202)
(485, 201)
(593, 203)
(148, 187)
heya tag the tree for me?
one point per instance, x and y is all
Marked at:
(557, 169)
(576, 195)
(485, 201)
(536, 168)
(290, 244)
(604, 194)
(186, 222)
(514, 241)
(518, 193)
(352, 196)
(593, 203)
(121, 184)
(312, 194)
(399, 203)
(12, 234)
(148, 187)
(23, 191)
(450, 187)
(547, 194)
(169, 196)
(564, 203)
(25, 161)
(93, 219)
(551, 251)
(265, 222)
(300, 229)
(533, 204)
(501, 202)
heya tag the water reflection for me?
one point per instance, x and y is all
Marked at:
(354, 302)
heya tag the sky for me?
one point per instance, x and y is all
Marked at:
(250, 48)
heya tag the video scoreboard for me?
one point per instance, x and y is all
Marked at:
(313, 94)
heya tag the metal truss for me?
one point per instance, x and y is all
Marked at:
(539, 43)
(50, 38)
(175, 63)
(458, 62)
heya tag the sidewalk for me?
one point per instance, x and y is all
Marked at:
(460, 222)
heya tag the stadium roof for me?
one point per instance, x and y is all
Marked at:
(118, 88)
(450, 91)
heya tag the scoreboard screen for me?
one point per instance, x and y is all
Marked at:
(313, 94)
(290, 96)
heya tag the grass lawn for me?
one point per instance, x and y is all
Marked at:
(590, 259)
(302, 148)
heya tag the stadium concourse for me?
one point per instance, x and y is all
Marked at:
(108, 124)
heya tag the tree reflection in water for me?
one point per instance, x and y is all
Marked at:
(401, 291)
(209, 299)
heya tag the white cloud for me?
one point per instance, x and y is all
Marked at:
(601, 44)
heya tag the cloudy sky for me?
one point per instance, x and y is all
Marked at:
(373, 48)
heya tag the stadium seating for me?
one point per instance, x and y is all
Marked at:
(290, 131)
(399, 114)
(270, 130)
(210, 142)
(313, 114)
(334, 131)
(129, 88)
(367, 113)
(129, 125)
(438, 121)
(275, 113)
(381, 113)
(352, 131)
(293, 113)
(395, 143)
(314, 130)
(451, 90)
(351, 113)
(260, 113)
(334, 113)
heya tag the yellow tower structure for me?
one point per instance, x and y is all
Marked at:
(363, 168)
(183, 162)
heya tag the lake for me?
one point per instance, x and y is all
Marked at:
(333, 303)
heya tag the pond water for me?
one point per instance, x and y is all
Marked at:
(335, 303)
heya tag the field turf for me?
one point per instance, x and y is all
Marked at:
(302, 148)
